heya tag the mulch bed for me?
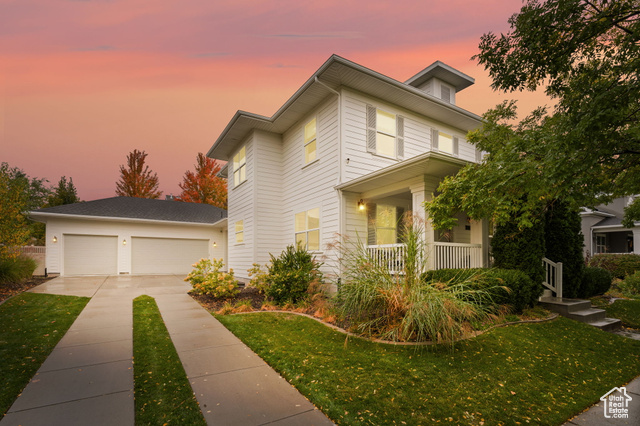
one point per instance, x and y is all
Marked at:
(11, 289)
(213, 304)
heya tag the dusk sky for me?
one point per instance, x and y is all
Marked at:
(84, 82)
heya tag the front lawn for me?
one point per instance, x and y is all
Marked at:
(529, 373)
(30, 327)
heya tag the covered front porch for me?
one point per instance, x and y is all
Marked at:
(376, 205)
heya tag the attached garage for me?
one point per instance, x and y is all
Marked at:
(125, 235)
(90, 254)
(166, 255)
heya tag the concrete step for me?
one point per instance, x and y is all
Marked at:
(608, 324)
(564, 306)
(588, 315)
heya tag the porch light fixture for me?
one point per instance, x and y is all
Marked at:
(124, 242)
(214, 244)
(361, 205)
(54, 239)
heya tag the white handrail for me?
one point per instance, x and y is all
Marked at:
(553, 276)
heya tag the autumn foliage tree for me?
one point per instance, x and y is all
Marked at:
(137, 180)
(204, 186)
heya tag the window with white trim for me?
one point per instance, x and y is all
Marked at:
(310, 146)
(239, 230)
(386, 224)
(444, 142)
(240, 166)
(307, 229)
(385, 133)
(601, 243)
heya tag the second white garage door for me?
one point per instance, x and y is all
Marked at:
(166, 255)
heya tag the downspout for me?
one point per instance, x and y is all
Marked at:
(591, 240)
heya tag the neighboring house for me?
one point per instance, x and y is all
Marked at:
(603, 230)
(349, 154)
(125, 235)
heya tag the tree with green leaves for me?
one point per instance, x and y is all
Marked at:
(586, 53)
(19, 194)
(137, 180)
(64, 193)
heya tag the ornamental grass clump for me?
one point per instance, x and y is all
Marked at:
(401, 306)
(207, 278)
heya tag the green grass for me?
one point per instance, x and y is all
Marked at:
(529, 373)
(163, 395)
(30, 327)
(627, 311)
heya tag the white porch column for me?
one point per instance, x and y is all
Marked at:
(421, 192)
(480, 235)
(636, 239)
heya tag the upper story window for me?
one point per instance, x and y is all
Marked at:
(240, 167)
(385, 133)
(444, 142)
(239, 232)
(307, 229)
(310, 147)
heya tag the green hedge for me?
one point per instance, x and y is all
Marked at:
(16, 270)
(619, 265)
(521, 249)
(595, 281)
(291, 275)
(522, 291)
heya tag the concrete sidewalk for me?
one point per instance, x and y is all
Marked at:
(88, 377)
(595, 416)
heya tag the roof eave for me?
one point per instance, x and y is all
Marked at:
(42, 217)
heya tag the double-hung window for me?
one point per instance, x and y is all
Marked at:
(239, 230)
(385, 133)
(386, 224)
(444, 142)
(307, 229)
(601, 243)
(310, 146)
(240, 167)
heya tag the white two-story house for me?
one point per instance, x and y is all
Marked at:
(346, 156)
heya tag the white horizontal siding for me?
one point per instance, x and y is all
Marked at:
(311, 186)
(240, 207)
(417, 135)
(268, 206)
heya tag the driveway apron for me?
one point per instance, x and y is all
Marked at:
(88, 377)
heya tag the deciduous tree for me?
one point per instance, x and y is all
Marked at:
(204, 186)
(586, 53)
(19, 194)
(137, 180)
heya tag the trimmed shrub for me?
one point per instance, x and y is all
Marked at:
(16, 270)
(521, 249)
(595, 281)
(206, 278)
(521, 292)
(619, 265)
(292, 275)
(563, 243)
(631, 285)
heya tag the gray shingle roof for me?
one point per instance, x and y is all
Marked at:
(142, 208)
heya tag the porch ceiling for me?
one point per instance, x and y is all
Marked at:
(430, 163)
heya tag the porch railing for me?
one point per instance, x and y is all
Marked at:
(553, 276)
(443, 255)
(389, 256)
(456, 255)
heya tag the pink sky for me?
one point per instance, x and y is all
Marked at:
(84, 82)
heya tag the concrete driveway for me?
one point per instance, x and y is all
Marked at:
(115, 285)
(88, 377)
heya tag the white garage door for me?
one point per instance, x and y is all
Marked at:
(166, 255)
(90, 255)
